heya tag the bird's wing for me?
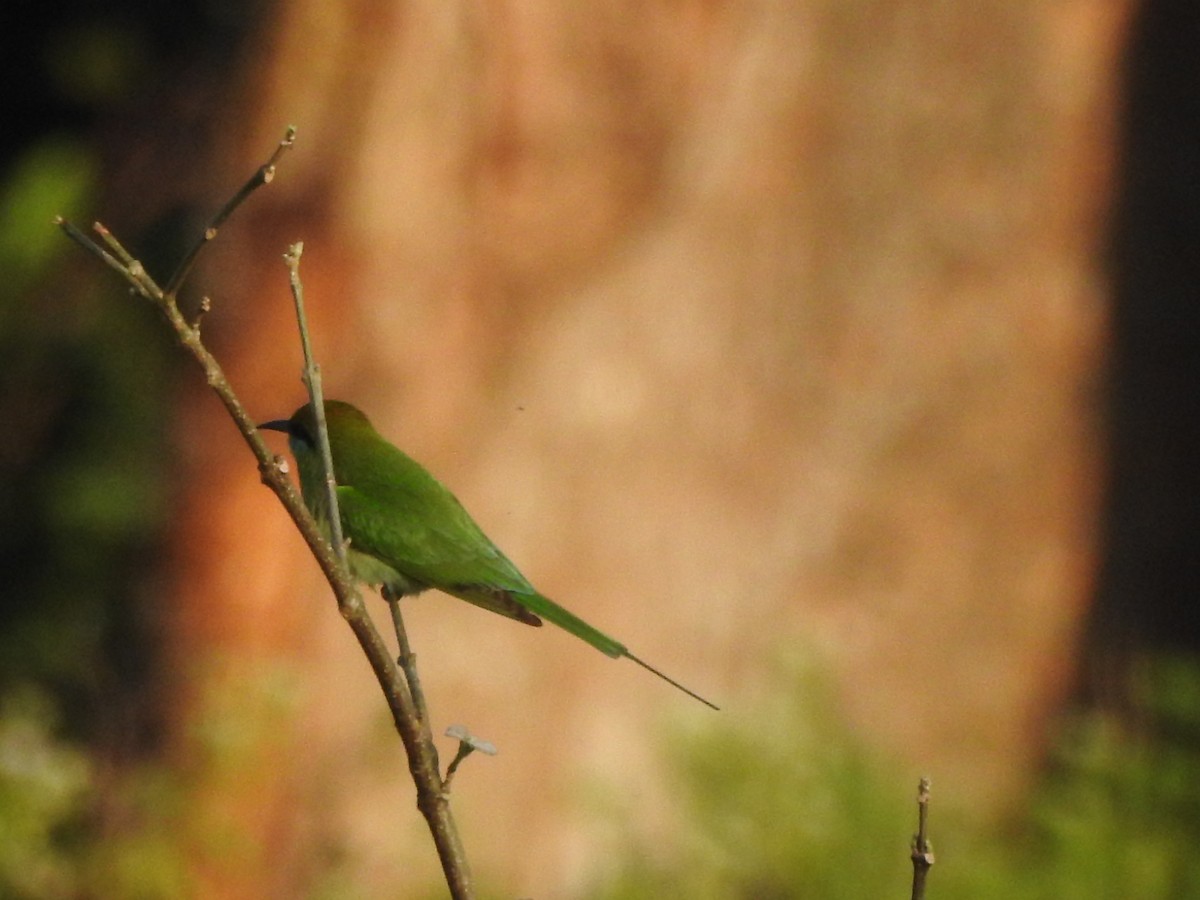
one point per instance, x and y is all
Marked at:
(427, 537)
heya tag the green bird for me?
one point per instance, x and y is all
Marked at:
(408, 533)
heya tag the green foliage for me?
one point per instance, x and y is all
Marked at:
(82, 478)
(1118, 813)
(785, 804)
(43, 789)
(52, 178)
(779, 803)
(81, 455)
(70, 827)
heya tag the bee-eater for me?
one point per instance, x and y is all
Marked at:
(407, 532)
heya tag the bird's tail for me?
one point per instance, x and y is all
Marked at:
(568, 621)
(671, 681)
(552, 612)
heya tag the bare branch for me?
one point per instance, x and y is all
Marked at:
(422, 756)
(130, 270)
(407, 660)
(264, 175)
(312, 381)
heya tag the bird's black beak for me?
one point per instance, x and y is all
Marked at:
(284, 425)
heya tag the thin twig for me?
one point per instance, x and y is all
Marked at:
(264, 175)
(467, 744)
(464, 750)
(422, 758)
(137, 272)
(131, 271)
(116, 247)
(405, 656)
(922, 849)
(312, 380)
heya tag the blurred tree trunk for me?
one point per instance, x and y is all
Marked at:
(742, 328)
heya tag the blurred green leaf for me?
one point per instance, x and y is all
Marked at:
(43, 787)
(53, 177)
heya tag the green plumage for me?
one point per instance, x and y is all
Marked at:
(408, 533)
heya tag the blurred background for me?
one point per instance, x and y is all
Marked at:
(838, 357)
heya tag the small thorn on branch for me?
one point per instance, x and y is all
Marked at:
(276, 468)
(205, 308)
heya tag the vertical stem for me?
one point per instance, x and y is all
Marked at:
(922, 851)
(409, 712)
(432, 800)
(312, 380)
(407, 659)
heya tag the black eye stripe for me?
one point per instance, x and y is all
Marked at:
(298, 432)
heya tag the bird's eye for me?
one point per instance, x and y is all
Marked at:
(302, 434)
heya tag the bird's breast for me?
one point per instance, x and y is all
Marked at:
(375, 571)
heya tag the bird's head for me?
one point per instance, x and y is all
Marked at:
(301, 428)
